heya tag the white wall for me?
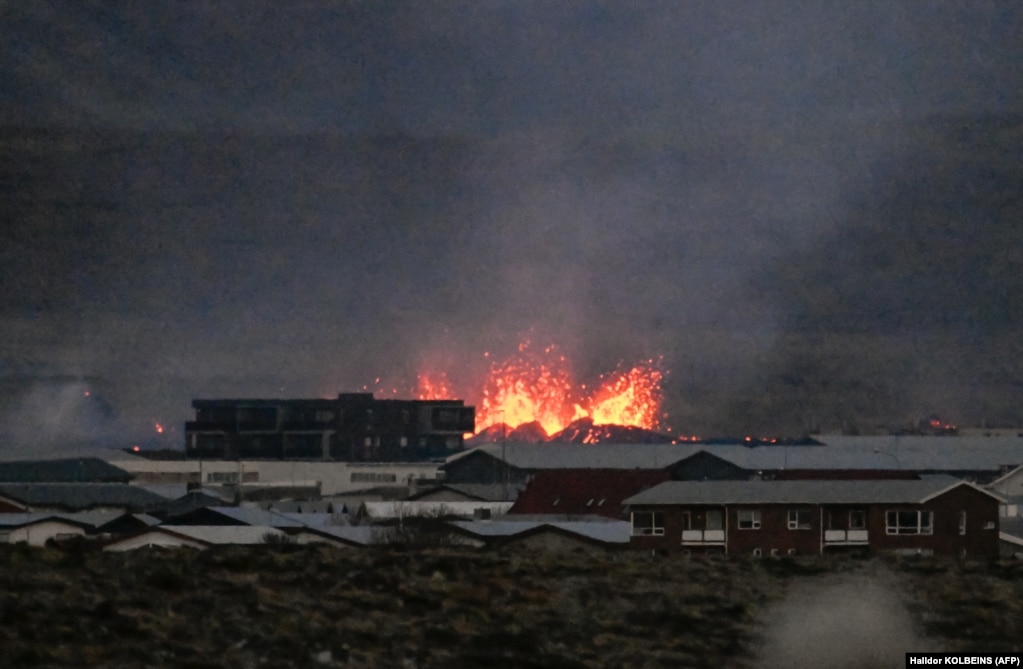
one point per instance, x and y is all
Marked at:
(335, 477)
(38, 534)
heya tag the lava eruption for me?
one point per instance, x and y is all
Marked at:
(532, 396)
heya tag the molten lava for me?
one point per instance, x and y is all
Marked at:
(536, 387)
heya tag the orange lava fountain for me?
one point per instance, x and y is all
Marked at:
(537, 387)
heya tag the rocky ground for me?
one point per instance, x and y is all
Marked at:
(292, 606)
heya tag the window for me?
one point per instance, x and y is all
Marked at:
(748, 519)
(799, 519)
(962, 523)
(222, 477)
(687, 520)
(647, 523)
(908, 522)
(373, 477)
(714, 520)
(857, 519)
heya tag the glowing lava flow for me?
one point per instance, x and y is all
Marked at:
(537, 387)
(631, 398)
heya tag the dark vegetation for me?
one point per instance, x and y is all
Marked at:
(292, 606)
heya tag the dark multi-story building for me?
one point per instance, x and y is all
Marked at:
(355, 427)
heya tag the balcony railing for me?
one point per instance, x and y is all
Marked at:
(703, 537)
(846, 537)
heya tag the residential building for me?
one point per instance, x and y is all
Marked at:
(936, 515)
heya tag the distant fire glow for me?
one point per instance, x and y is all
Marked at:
(536, 386)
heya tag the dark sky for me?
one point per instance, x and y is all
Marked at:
(810, 209)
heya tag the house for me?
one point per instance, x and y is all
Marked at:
(397, 511)
(547, 533)
(62, 497)
(36, 529)
(352, 427)
(197, 536)
(934, 515)
(881, 458)
(585, 491)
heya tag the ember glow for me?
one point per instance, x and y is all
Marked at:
(536, 386)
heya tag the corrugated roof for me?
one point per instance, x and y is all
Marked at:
(891, 442)
(926, 454)
(587, 456)
(11, 520)
(252, 515)
(317, 519)
(223, 534)
(577, 491)
(411, 509)
(1011, 527)
(89, 519)
(609, 532)
(81, 496)
(485, 492)
(363, 535)
(795, 492)
(190, 501)
(67, 470)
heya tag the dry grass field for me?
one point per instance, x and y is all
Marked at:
(290, 606)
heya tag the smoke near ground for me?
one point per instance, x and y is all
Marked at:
(841, 622)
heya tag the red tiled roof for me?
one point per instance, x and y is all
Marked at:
(585, 491)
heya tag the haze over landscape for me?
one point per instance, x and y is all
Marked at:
(808, 213)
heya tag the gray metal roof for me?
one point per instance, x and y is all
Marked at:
(905, 457)
(90, 519)
(795, 492)
(317, 519)
(892, 441)
(587, 456)
(616, 531)
(363, 535)
(251, 515)
(67, 470)
(81, 496)
(222, 534)
(926, 454)
(1011, 526)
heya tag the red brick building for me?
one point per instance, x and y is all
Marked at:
(585, 491)
(932, 516)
